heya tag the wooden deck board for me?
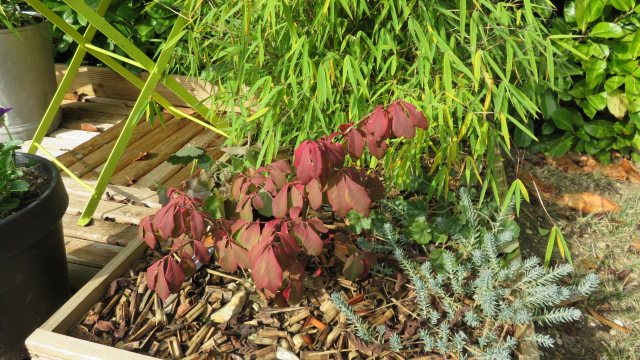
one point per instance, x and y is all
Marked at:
(89, 253)
(106, 232)
(157, 153)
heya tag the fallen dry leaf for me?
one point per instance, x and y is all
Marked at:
(141, 156)
(589, 203)
(635, 245)
(74, 96)
(632, 171)
(88, 127)
(607, 322)
(624, 274)
(546, 191)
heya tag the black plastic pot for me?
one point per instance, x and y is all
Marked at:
(34, 280)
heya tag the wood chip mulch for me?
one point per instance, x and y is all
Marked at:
(186, 326)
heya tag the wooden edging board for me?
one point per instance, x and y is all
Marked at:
(50, 342)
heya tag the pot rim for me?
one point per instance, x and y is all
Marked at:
(47, 210)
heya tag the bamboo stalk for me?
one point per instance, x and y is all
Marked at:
(174, 348)
(110, 305)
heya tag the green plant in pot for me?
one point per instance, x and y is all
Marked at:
(28, 75)
(33, 267)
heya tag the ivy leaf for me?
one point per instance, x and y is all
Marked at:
(420, 232)
(417, 210)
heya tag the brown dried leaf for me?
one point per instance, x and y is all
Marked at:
(116, 285)
(88, 127)
(589, 203)
(632, 171)
(635, 245)
(545, 191)
(141, 156)
(624, 274)
(374, 348)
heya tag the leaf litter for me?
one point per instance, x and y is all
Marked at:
(607, 244)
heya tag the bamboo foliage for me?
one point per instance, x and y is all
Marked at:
(298, 68)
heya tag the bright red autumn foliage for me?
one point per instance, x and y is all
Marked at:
(275, 249)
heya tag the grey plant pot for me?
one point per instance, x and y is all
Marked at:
(27, 79)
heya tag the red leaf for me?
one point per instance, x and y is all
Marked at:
(187, 264)
(280, 203)
(145, 232)
(357, 196)
(163, 220)
(249, 236)
(355, 143)
(417, 117)
(294, 212)
(311, 242)
(295, 196)
(315, 194)
(257, 202)
(201, 252)
(338, 200)
(378, 123)
(174, 274)
(266, 271)
(282, 165)
(197, 224)
(377, 147)
(400, 124)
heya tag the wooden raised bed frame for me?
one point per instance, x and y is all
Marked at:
(51, 342)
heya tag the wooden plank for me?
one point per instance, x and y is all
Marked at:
(77, 124)
(101, 107)
(46, 345)
(144, 137)
(79, 275)
(106, 232)
(165, 171)
(87, 158)
(91, 293)
(83, 115)
(50, 143)
(157, 153)
(103, 82)
(185, 173)
(88, 147)
(74, 135)
(118, 193)
(111, 211)
(89, 253)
